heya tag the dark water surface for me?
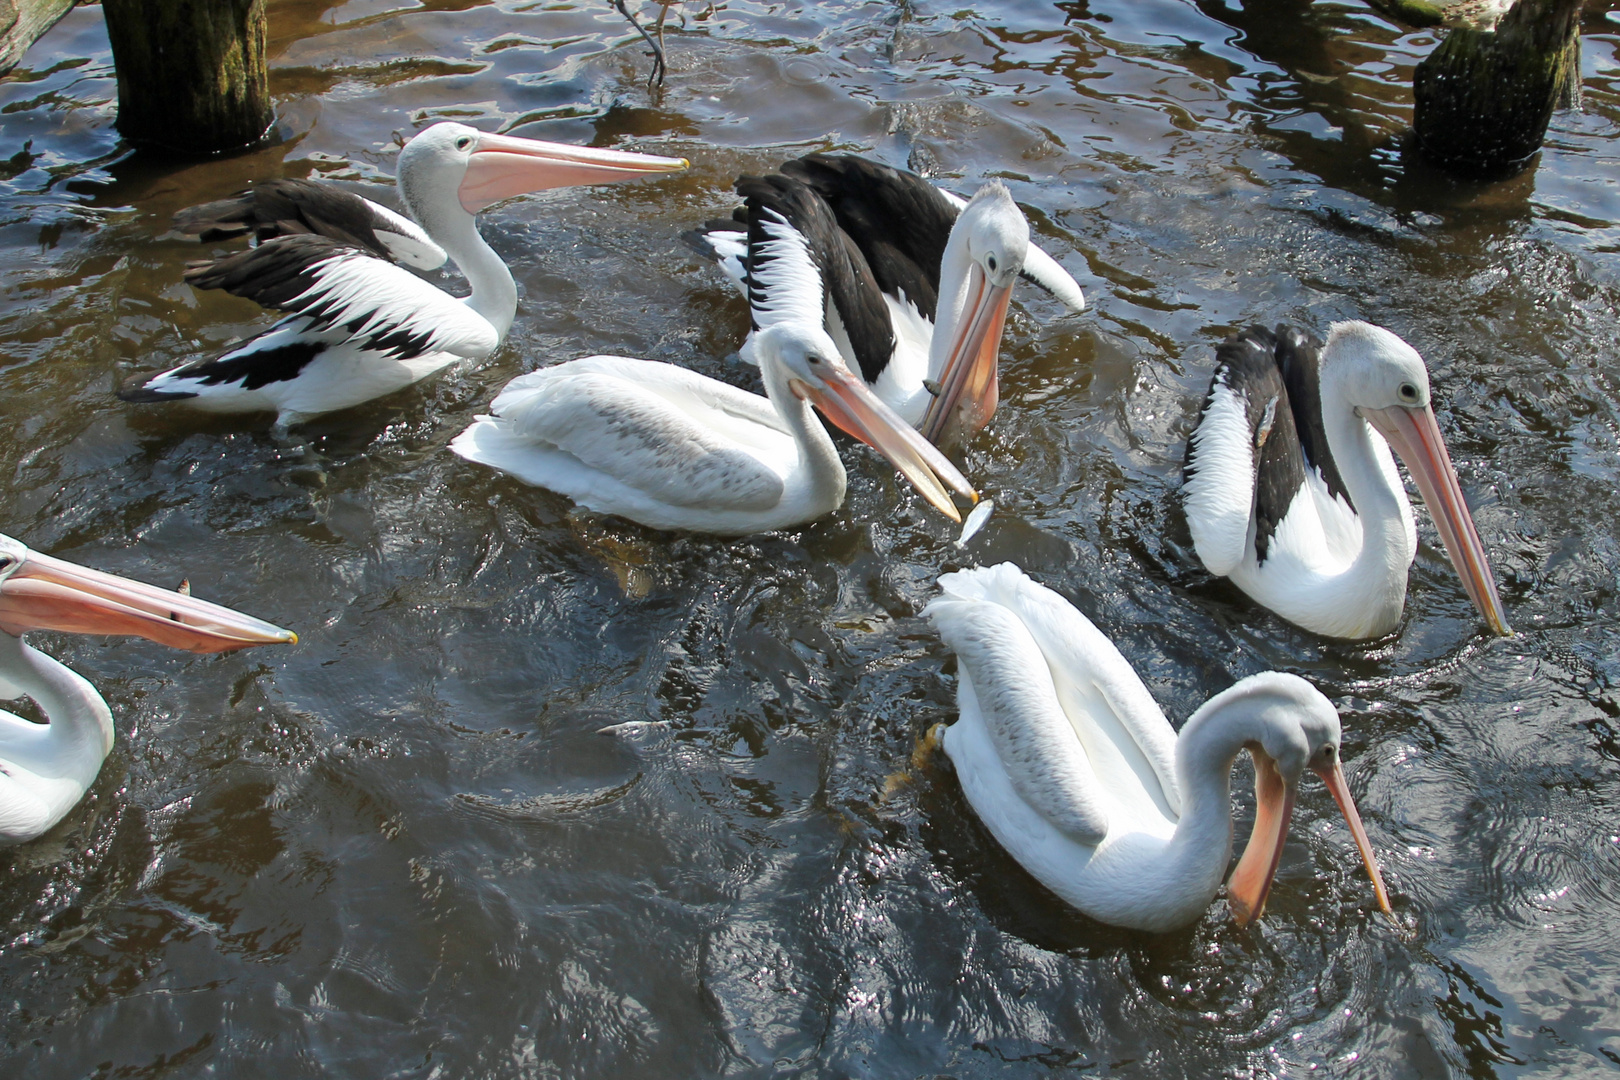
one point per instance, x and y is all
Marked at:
(401, 849)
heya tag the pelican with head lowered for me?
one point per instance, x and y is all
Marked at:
(1291, 490)
(45, 769)
(913, 281)
(1070, 764)
(358, 326)
(673, 449)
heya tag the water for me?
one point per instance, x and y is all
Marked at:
(401, 849)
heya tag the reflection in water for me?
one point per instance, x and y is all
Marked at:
(403, 848)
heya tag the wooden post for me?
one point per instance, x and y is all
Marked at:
(1484, 97)
(22, 22)
(191, 73)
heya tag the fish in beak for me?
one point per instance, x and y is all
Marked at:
(968, 384)
(502, 166)
(1415, 436)
(847, 402)
(42, 593)
(1250, 883)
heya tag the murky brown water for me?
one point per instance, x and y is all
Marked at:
(401, 849)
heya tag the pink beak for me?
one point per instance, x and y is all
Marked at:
(854, 408)
(502, 166)
(51, 594)
(1250, 883)
(969, 385)
(1415, 436)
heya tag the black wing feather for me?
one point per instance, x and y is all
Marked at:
(900, 221)
(272, 208)
(850, 283)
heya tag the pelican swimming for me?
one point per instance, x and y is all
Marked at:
(672, 449)
(45, 769)
(1070, 764)
(1291, 490)
(914, 282)
(359, 326)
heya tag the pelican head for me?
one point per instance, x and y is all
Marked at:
(814, 372)
(1385, 381)
(453, 165)
(38, 592)
(983, 258)
(1293, 729)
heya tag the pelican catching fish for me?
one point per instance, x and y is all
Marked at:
(359, 325)
(1065, 757)
(1291, 490)
(45, 769)
(913, 281)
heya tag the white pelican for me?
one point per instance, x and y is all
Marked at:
(673, 449)
(358, 325)
(1068, 761)
(1292, 493)
(45, 769)
(897, 256)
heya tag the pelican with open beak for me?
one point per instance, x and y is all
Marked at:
(1073, 768)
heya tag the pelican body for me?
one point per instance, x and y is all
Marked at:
(1291, 490)
(672, 449)
(359, 324)
(914, 282)
(1070, 764)
(45, 769)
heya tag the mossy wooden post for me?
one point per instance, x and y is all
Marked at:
(191, 73)
(1484, 97)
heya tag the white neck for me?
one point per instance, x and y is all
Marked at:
(494, 293)
(818, 457)
(953, 296)
(1388, 535)
(47, 769)
(1206, 748)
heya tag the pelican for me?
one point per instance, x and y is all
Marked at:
(358, 325)
(914, 281)
(1067, 760)
(1291, 490)
(45, 769)
(672, 449)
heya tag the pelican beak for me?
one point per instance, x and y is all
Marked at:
(1250, 884)
(1415, 436)
(968, 383)
(1334, 779)
(502, 166)
(49, 594)
(848, 403)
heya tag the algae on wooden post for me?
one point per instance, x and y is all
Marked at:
(191, 73)
(1484, 97)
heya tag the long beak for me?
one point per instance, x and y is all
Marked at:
(503, 166)
(968, 384)
(1416, 437)
(849, 404)
(1334, 779)
(50, 594)
(1250, 884)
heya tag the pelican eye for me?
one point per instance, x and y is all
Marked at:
(464, 142)
(1408, 392)
(990, 261)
